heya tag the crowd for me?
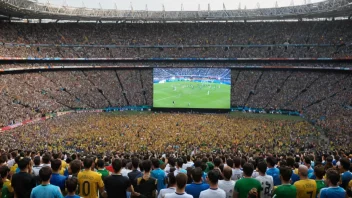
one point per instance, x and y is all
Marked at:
(157, 154)
(333, 33)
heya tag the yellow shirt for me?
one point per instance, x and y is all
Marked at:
(63, 167)
(7, 183)
(89, 182)
(306, 188)
(13, 169)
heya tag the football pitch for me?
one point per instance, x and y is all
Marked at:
(192, 95)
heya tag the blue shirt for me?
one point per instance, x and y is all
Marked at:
(47, 191)
(346, 177)
(58, 180)
(160, 176)
(332, 192)
(294, 177)
(310, 170)
(275, 173)
(195, 189)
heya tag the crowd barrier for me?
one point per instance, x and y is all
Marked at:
(172, 59)
(147, 66)
(271, 111)
(167, 46)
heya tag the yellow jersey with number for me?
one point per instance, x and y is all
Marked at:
(306, 188)
(89, 182)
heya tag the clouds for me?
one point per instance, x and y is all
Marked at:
(175, 5)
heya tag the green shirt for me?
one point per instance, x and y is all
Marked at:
(5, 193)
(244, 185)
(320, 185)
(104, 173)
(285, 191)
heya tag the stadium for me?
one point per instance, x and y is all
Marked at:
(146, 103)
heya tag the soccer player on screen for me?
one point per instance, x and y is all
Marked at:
(173, 102)
(208, 92)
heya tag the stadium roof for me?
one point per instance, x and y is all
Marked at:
(26, 9)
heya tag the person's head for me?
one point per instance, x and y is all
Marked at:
(156, 163)
(188, 158)
(345, 164)
(36, 160)
(248, 169)
(213, 177)
(285, 174)
(46, 159)
(87, 163)
(217, 162)
(303, 171)
(319, 172)
(171, 179)
(117, 165)
(135, 163)
(307, 161)
(100, 163)
(75, 166)
(290, 162)
(71, 184)
(179, 162)
(45, 173)
(227, 172)
(56, 165)
(229, 163)
(332, 177)
(197, 174)
(181, 181)
(24, 163)
(271, 161)
(147, 166)
(262, 166)
(4, 172)
(237, 162)
(172, 161)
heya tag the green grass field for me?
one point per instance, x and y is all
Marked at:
(187, 97)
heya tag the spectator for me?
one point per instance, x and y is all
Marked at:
(101, 169)
(319, 172)
(346, 177)
(266, 181)
(158, 174)
(244, 185)
(135, 172)
(286, 189)
(197, 186)
(272, 171)
(171, 183)
(37, 166)
(46, 189)
(181, 181)
(305, 187)
(147, 185)
(57, 179)
(214, 190)
(334, 191)
(71, 186)
(227, 184)
(23, 182)
(7, 190)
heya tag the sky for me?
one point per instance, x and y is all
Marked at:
(175, 5)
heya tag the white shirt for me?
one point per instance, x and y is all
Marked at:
(176, 195)
(124, 172)
(211, 193)
(267, 183)
(11, 162)
(236, 174)
(227, 186)
(165, 191)
(255, 174)
(188, 164)
(36, 169)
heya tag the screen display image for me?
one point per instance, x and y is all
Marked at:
(207, 88)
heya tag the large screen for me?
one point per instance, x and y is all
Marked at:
(208, 88)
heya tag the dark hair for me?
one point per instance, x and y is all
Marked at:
(147, 165)
(55, 164)
(45, 173)
(227, 173)
(237, 162)
(36, 160)
(4, 170)
(248, 169)
(307, 160)
(181, 180)
(197, 174)
(229, 163)
(156, 163)
(172, 161)
(100, 163)
(319, 171)
(286, 173)
(117, 165)
(87, 163)
(333, 176)
(271, 161)
(290, 162)
(213, 176)
(71, 184)
(171, 179)
(262, 166)
(179, 162)
(75, 166)
(135, 162)
(46, 159)
(23, 163)
(188, 158)
(345, 163)
(217, 162)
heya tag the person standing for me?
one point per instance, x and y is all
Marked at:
(266, 181)
(306, 188)
(286, 189)
(227, 184)
(333, 191)
(171, 183)
(214, 190)
(181, 181)
(23, 182)
(158, 174)
(272, 171)
(46, 189)
(197, 186)
(247, 183)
